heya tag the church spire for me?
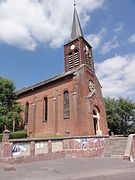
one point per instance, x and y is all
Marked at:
(76, 27)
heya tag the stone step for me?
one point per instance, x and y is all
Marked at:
(111, 151)
(119, 156)
(115, 147)
(116, 143)
(115, 152)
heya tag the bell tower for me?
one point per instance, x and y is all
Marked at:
(77, 51)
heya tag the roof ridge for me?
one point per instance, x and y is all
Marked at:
(43, 82)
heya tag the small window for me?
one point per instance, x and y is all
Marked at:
(76, 58)
(26, 113)
(66, 105)
(45, 108)
(70, 61)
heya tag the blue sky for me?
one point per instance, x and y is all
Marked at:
(33, 32)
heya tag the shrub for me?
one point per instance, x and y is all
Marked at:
(18, 135)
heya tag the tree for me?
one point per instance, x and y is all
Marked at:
(120, 115)
(10, 110)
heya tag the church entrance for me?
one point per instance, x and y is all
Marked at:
(96, 119)
(95, 125)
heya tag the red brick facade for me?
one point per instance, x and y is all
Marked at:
(85, 98)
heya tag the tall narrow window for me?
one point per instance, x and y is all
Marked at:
(27, 113)
(45, 109)
(86, 57)
(89, 56)
(70, 61)
(76, 58)
(66, 105)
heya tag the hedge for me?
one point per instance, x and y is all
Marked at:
(16, 135)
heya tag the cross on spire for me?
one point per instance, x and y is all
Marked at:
(74, 2)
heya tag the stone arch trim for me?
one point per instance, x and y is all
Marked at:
(96, 117)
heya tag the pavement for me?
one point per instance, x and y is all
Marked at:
(70, 169)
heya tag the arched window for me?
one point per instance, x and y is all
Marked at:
(26, 113)
(70, 61)
(66, 105)
(45, 108)
(76, 58)
(89, 56)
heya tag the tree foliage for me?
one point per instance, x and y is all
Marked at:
(120, 115)
(10, 110)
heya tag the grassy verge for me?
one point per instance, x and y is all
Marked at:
(46, 137)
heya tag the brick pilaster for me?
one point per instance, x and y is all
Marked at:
(5, 137)
(6, 146)
(32, 149)
(49, 146)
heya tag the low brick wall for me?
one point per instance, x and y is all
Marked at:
(85, 147)
(28, 150)
(130, 148)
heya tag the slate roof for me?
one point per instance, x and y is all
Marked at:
(76, 27)
(44, 82)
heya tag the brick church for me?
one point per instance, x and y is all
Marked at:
(71, 103)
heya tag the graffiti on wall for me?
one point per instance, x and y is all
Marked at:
(84, 143)
(39, 145)
(18, 148)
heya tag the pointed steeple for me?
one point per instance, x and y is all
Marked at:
(76, 27)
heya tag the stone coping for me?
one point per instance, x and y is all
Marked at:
(128, 147)
(55, 139)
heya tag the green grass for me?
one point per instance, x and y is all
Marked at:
(46, 137)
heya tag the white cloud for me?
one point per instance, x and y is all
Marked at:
(131, 39)
(96, 39)
(110, 45)
(118, 28)
(117, 76)
(27, 23)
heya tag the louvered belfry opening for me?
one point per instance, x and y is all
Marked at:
(86, 57)
(70, 61)
(90, 64)
(76, 58)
